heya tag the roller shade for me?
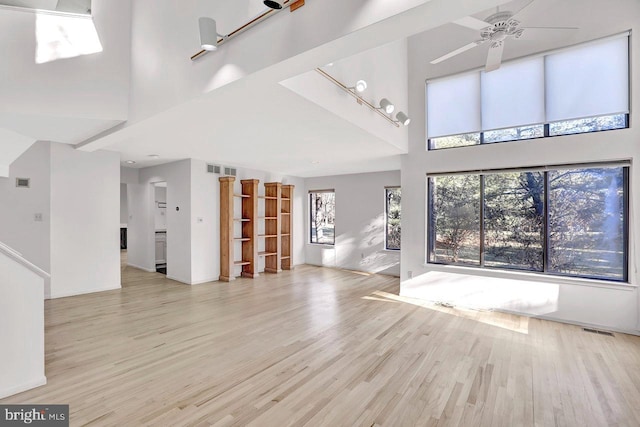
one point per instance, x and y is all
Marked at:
(590, 80)
(453, 105)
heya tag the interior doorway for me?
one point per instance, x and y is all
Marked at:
(160, 222)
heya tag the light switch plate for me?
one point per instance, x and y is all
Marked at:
(37, 217)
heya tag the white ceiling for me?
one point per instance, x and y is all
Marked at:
(257, 123)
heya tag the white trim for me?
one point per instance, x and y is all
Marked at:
(45, 12)
(148, 270)
(175, 279)
(200, 282)
(532, 277)
(23, 387)
(17, 257)
(570, 322)
(83, 292)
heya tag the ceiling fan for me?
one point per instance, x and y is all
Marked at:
(495, 30)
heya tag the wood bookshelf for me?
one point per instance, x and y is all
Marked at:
(272, 221)
(286, 228)
(247, 218)
(249, 236)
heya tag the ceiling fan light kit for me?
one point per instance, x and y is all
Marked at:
(210, 40)
(495, 30)
(386, 106)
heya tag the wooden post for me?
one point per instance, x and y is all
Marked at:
(250, 227)
(226, 228)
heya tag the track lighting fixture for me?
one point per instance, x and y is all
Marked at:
(403, 119)
(360, 86)
(272, 4)
(385, 105)
(210, 40)
(208, 34)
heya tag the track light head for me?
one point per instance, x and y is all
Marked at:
(403, 119)
(361, 86)
(387, 106)
(272, 4)
(208, 34)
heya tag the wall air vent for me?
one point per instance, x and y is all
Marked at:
(214, 168)
(230, 171)
(23, 182)
(597, 331)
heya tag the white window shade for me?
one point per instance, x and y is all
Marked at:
(590, 80)
(453, 105)
(513, 95)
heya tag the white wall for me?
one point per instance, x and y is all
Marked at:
(69, 87)
(612, 307)
(193, 232)
(124, 210)
(22, 331)
(18, 227)
(315, 24)
(85, 221)
(160, 214)
(360, 223)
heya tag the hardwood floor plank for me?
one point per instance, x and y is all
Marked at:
(315, 346)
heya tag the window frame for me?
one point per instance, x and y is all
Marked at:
(547, 133)
(431, 235)
(386, 218)
(312, 220)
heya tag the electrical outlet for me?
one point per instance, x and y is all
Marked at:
(37, 217)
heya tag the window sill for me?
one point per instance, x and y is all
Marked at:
(533, 277)
(324, 245)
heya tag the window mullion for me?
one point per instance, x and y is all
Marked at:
(482, 220)
(545, 226)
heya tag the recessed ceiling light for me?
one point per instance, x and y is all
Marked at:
(154, 156)
(130, 162)
(315, 162)
(330, 64)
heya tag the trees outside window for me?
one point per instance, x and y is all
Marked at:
(564, 221)
(455, 219)
(322, 208)
(392, 218)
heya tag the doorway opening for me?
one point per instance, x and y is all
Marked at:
(160, 221)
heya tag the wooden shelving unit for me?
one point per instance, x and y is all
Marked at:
(272, 244)
(286, 228)
(278, 204)
(248, 223)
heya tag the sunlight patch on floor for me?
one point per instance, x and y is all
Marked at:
(511, 322)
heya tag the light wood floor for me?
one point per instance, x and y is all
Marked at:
(323, 347)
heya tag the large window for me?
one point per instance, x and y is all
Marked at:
(392, 218)
(535, 97)
(569, 221)
(322, 208)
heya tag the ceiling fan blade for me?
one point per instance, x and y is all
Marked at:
(526, 5)
(473, 23)
(458, 51)
(494, 58)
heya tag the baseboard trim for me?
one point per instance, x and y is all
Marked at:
(148, 270)
(200, 282)
(84, 292)
(23, 387)
(175, 279)
(569, 322)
